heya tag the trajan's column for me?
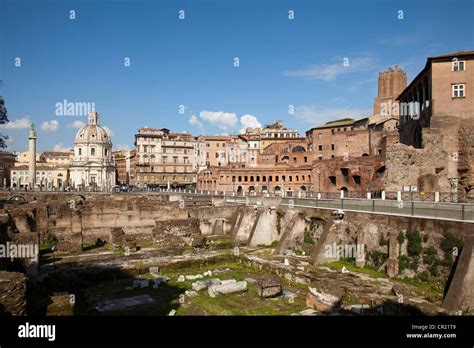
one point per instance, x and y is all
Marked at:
(32, 155)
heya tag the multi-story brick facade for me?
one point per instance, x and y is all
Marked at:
(436, 127)
(265, 178)
(164, 158)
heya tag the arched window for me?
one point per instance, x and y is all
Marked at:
(105, 152)
(80, 152)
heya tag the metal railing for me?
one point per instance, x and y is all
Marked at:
(449, 211)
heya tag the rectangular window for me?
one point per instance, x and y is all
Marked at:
(320, 147)
(458, 90)
(333, 147)
(457, 65)
(320, 136)
(305, 159)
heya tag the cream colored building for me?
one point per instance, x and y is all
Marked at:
(92, 166)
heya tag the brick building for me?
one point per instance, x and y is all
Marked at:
(436, 150)
(164, 158)
(7, 161)
(120, 158)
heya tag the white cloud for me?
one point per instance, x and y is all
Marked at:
(122, 147)
(193, 120)
(220, 119)
(109, 131)
(76, 124)
(50, 126)
(249, 121)
(319, 117)
(329, 72)
(19, 123)
(61, 148)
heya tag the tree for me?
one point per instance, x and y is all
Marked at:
(3, 120)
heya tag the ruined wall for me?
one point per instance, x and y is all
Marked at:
(443, 164)
(13, 286)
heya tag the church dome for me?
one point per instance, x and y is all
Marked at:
(92, 132)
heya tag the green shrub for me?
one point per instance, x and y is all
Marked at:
(377, 258)
(414, 264)
(414, 243)
(403, 263)
(434, 270)
(382, 240)
(278, 223)
(424, 276)
(449, 242)
(430, 256)
(400, 237)
(308, 239)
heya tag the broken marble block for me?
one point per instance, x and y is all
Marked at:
(323, 302)
(230, 288)
(140, 284)
(193, 277)
(204, 284)
(269, 286)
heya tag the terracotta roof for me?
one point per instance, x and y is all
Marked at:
(452, 55)
(336, 124)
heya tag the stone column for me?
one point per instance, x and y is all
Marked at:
(32, 157)
(393, 255)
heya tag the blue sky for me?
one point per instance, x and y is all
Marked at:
(190, 62)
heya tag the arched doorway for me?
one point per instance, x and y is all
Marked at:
(303, 191)
(345, 192)
(239, 191)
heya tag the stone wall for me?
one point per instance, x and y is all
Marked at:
(443, 164)
(13, 286)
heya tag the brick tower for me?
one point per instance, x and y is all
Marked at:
(391, 83)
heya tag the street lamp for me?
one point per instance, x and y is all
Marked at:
(370, 172)
(319, 180)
